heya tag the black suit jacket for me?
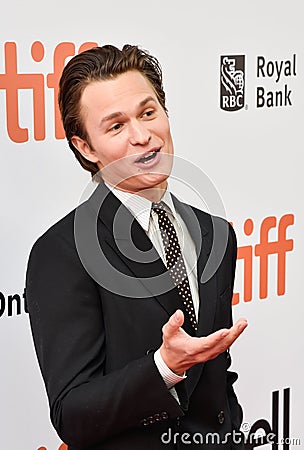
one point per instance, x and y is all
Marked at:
(97, 300)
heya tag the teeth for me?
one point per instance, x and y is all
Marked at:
(146, 159)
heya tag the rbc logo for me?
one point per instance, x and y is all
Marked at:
(232, 82)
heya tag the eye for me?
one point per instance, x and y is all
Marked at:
(116, 127)
(149, 113)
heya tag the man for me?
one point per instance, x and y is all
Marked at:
(133, 346)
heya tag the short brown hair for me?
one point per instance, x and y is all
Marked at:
(101, 63)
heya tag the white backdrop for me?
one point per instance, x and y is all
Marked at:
(252, 156)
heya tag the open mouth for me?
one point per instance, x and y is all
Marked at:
(148, 157)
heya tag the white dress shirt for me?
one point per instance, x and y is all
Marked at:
(140, 208)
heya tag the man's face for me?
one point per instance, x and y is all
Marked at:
(128, 132)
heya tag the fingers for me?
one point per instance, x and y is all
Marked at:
(238, 328)
(211, 346)
(241, 323)
(228, 336)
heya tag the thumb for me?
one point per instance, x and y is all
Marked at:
(175, 322)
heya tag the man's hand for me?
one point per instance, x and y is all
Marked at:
(181, 351)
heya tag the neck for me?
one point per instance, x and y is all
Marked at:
(153, 194)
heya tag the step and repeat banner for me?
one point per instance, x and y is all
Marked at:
(234, 78)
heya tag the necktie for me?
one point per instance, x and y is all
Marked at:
(174, 259)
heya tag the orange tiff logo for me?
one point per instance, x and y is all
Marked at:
(12, 81)
(262, 250)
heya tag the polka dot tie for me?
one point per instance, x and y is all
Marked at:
(174, 260)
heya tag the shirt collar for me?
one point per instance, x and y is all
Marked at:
(139, 206)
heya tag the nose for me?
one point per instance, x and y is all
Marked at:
(139, 134)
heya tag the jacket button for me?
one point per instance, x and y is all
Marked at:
(150, 350)
(221, 417)
(164, 415)
(157, 417)
(151, 419)
(144, 422)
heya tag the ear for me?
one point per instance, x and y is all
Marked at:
(84, 148)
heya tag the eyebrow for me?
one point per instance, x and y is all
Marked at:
(147, 100)
(116, 115)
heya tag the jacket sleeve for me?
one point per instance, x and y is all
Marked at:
(87, 405)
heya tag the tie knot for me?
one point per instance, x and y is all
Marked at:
(158, 206)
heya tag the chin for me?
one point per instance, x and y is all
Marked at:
(153, 180)
(145, 182)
